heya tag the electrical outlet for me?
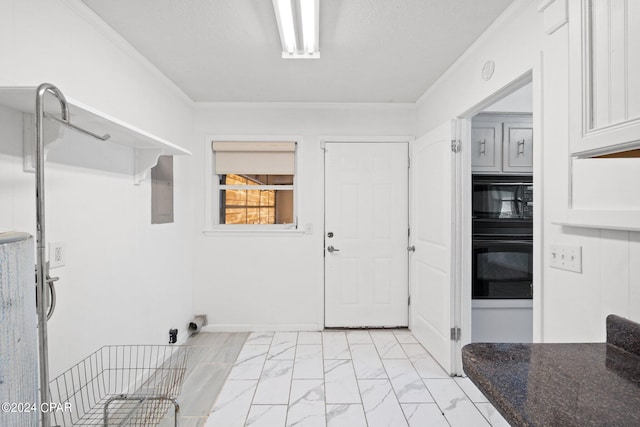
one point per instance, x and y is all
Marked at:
(57, 254)
(566, 258)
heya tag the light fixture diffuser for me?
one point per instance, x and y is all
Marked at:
(298, 24)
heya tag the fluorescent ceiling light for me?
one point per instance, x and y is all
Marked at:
(298, 26)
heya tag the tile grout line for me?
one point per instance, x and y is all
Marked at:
(293, 367)
(355, 375)
(421, 379)
(246, 418)
(478, 409)
(389, 376)
(474, 403)
(366, 420)
(324, 381)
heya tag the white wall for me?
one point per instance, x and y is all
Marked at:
(250, 281)
(125, 280)
(568, 307)
(520, 101)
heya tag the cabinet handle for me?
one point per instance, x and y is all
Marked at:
(521, 148)
(483, 147)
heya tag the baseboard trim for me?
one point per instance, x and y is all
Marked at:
(303, 327)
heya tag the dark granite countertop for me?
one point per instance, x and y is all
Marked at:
(562, 384)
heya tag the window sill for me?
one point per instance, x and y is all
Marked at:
(255, 232)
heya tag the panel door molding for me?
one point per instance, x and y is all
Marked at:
(518, 147)
(486, 140)
(605, 76)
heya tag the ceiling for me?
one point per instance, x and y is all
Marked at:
(371, 50)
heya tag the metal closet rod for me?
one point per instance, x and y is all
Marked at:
(78, 128)
(41, 266)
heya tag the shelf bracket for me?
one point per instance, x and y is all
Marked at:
(144, 160)
(53, 134)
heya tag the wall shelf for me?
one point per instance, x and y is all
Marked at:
(607, 220)
(147, 148)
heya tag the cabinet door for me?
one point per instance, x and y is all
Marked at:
(486, 139)
(518, 147)
(605, 80)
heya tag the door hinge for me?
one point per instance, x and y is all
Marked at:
(455, 334)
(409, 300)
(455, 145)
(409, 162)
(411, 248)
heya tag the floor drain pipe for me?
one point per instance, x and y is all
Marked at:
(197, 323)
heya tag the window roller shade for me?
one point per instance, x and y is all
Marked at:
(268, 158)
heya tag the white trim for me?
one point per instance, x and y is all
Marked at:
(364, 139)
(502, 303)
(604, 220)
(530, 76)
(98, 24)
(495, 28)
(256, 187)
(538, 201)
(253, 231)
(183, 336)
(308, 105)
(515, 84)
(460, 129)
(262, 327)
(555, 17)
(465, 233)
(544, 4)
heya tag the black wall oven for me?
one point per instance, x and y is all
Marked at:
(504, 198)
(502, 268)
(502, 237)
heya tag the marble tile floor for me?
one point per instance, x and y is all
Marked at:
(211, 358)
(345, 379)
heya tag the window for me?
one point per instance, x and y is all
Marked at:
(255, 183)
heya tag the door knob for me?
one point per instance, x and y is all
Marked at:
(331, 249)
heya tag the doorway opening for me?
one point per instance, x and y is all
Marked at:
(498, 291)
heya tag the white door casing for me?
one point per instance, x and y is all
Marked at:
(434, 196)
(366, 210)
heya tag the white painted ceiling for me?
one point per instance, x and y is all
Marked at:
(371, 50)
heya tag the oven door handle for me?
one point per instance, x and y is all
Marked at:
(494, 237)
(501, 184)
(503, 242)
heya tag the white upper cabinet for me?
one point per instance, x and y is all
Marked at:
(605, 76)
(517, 147)
(486, 143)
(502, 143)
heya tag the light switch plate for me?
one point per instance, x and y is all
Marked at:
(57, 254)
(566, 258)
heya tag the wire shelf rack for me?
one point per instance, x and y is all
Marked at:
(122, 385)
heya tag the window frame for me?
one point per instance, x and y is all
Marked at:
(256, 187)
(213, 188)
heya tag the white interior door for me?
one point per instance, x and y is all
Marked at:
(433, 216)
(366, 223)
